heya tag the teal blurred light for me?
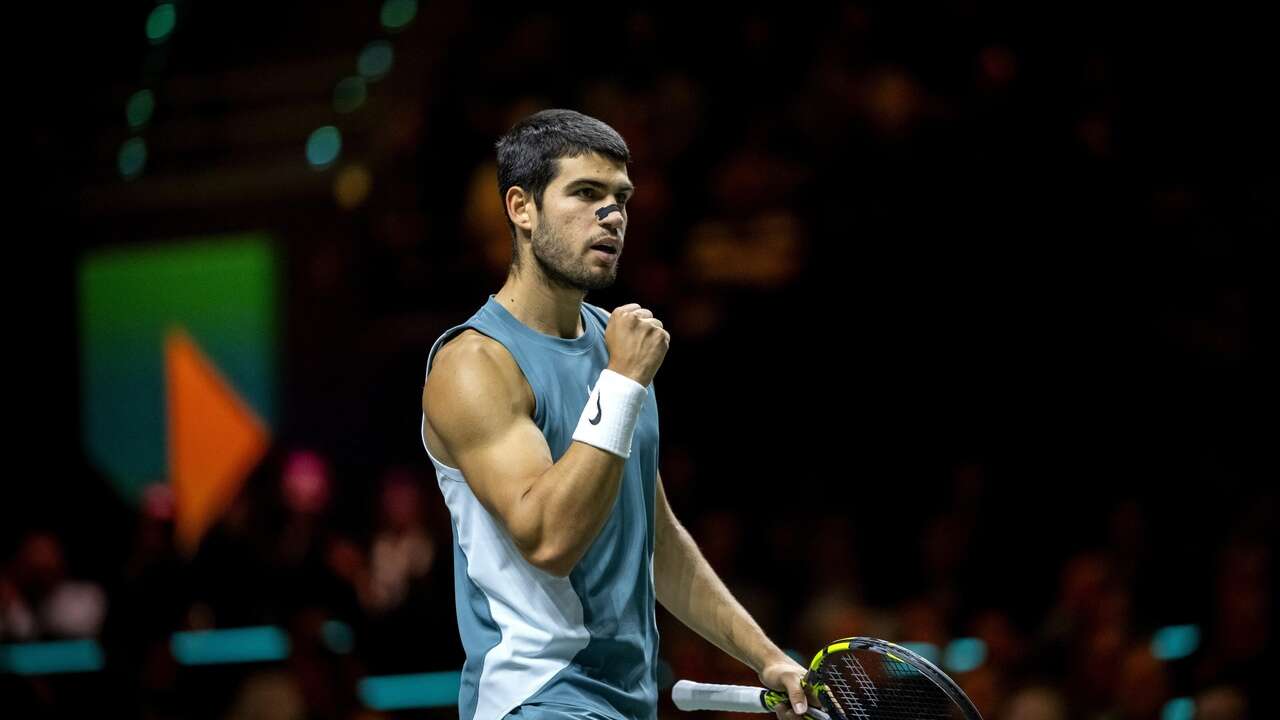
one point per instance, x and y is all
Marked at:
(1175, 642)
(160, 22)
(48, 658)
(265, 643)
(338, 636)
(928, 651)
(139, 108)
(400, 692)
(132, 158)
(349, 94)
(964, 655)
(398, 13)
(1179, 709)
(375, 60)
(323, 147)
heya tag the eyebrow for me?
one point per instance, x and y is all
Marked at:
(623, 188)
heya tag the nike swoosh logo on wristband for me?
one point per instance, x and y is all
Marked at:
(599, 412)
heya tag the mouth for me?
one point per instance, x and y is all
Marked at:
(607, 248)
(604, 256)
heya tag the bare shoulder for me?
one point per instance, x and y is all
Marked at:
(473, 376)
(468, 349)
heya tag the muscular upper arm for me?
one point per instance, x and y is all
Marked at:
(480, 406)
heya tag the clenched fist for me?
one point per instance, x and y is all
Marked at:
(637, 343)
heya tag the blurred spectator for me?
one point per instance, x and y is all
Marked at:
(1004, 643)
(1238, 643)
(1037, 702)
(1142, 685)
(403, 551)
(405, 588)
(268, 696)
(40, 601)
(984, 686)
(308, 553)
(1221, 702)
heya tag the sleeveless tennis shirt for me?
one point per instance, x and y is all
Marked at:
(588, 641)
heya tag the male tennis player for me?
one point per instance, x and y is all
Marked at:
(540, 418)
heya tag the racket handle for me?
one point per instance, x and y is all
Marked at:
(689, 695)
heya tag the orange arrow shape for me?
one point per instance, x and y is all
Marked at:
(215, 439)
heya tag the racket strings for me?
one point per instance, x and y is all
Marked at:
(882, 689)
(847, 701)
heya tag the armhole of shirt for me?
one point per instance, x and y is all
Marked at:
(455, 332)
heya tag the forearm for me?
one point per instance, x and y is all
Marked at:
(689, 588)
(566, 506)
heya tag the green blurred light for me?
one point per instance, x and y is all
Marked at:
(398, 13)
(139, 108)
(46, 658)
(248, 644)
(160, 22)
(323, 147)
(375, 60)
(399, 692)
(338, 636)
(132, 158)
(349, 94)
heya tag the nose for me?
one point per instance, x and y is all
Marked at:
(610, 215)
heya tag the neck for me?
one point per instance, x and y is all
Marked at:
(550, 310)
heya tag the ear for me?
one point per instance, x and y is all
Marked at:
(521, 208)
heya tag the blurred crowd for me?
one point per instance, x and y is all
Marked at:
(284, 556)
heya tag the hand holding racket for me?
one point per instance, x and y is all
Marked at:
(855, 678)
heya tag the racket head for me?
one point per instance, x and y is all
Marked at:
(861, 678)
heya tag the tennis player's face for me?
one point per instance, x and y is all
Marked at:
(576, 247)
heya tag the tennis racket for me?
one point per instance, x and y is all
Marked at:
(856, 678)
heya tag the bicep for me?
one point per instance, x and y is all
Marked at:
(478, 410)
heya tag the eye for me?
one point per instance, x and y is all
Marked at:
(587, 192)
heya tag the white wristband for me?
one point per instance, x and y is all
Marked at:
(609, 418)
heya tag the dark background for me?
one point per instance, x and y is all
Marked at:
(965, 303)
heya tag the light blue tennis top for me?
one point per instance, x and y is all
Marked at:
(589, 640)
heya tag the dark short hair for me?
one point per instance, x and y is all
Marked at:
(528, 153)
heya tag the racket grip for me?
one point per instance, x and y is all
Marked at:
(689, 695)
